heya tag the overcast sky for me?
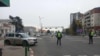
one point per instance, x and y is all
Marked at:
(51, 12)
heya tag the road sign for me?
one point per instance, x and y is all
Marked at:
(4, 3)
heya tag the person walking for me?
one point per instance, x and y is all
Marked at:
(59, 37)
(91, 34)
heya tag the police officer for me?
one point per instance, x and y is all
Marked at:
(91, 34)
(59, 36)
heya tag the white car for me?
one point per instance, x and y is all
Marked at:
(19, 38)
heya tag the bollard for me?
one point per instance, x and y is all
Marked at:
(26, 48)
(0, 51)
(26, 51)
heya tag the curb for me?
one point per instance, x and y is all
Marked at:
(31, 52)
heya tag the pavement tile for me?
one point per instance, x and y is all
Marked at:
(13, 51)
(9, 50)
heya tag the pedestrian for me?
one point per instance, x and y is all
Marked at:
(59, 37)
(91, 34)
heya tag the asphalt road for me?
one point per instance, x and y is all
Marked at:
(71, 46)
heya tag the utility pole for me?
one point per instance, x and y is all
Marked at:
(40, 25)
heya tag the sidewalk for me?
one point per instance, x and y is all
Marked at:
(11, 50)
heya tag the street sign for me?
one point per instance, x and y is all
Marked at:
(4, 3)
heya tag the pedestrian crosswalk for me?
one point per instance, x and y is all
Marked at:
(67, 55)
(39, 38)
(96, 55)
(82, 55)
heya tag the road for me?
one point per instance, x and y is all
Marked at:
(71, 46)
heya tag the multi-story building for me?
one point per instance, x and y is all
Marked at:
(6, 27)
(75, 20)
(91, 19)
(75, 16)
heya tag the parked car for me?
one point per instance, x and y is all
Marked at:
(19, 38)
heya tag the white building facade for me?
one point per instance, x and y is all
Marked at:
(91, 19)
(6, 27)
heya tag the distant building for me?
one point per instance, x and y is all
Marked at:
(89, 19)
(30, 30)
(54, 28)
(6, 27)
(75, 23)
(92, 19)
(75, 16)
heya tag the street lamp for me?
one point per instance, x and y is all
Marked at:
(40, 24)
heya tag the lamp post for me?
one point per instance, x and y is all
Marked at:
(40, 24)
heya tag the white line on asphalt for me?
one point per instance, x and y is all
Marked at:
(82, 55)
(39, 38)
(96, 55)
(67, 55)
(31, 52)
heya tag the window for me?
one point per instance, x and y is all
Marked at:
(18, 35)
(10, 35)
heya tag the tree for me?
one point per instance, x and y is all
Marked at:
(73, 27)
(17, 21)
(48, 31)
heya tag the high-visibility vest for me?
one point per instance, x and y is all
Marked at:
(92, 33)
(59, 34)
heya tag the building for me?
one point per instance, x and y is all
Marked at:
(91, 19)
(6, 27)
(75, 23)
(75, 16)
(30, 30)
(54, 28)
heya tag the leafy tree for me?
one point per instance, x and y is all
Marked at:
(48, 31)
(73, 28)
(17, 21)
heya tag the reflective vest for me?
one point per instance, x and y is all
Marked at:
(59, 35)
(92, 33)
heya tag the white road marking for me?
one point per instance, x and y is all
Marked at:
(82, 55)
(31, 52)
(67, 55)
(39, 38)
(96, 55)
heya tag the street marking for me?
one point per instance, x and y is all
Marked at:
(96, 55)
(67, 55)
(39, 38)
(82, 55)
(31, 52)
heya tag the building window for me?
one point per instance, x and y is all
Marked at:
(87, 17)
(88, 20)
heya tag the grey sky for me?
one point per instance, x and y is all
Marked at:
(52, 12)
